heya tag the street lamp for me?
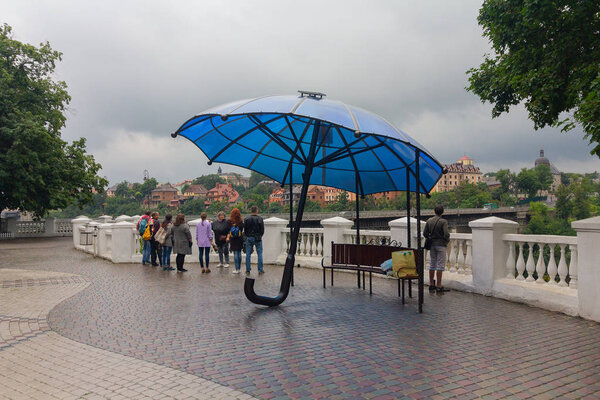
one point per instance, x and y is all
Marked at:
(146, 177)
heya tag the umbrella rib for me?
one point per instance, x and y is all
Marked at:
(266, 130)
(294, 135)
(234, 141)
(298, 147)
(336, 154)
(261, 150)
(404, 162)
(384, 168)
(353, 163)
(343, 153)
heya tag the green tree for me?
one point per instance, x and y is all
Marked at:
(527, 182)
(208, 181)
(581, 203)
(255, 177)
(544, 176)
(123, 190)
(38, 170)
(541, 222)
(563, 206)
(507, 181)
(546, 54)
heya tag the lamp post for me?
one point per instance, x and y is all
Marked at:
(146, 177)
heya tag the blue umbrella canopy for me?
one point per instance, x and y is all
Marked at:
(352, 147)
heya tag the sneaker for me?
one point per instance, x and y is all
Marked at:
(261, 272)
(182, 270)
(170, 269)
(441, 289)
(432, 288)
(220, 266)
(247, 272)
(235, 271)
(226, 266)
(207, 271)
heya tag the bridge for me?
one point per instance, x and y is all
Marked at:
(458, 218)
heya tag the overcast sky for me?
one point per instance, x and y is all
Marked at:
(136, 70)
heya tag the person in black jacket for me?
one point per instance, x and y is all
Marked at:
(221, 229)
(254, 229)
(155, 250)
(436, 228)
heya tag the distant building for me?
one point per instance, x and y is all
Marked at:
(234, 179)
(179, 186)
(110, 192)
(195, 192)
(542, 160)
(222, 192)
(461, 171)
(491, 182)
(163, 194)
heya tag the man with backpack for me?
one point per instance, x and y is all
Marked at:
(254, 229)
(142, 226)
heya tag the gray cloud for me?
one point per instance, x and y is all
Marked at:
(137, 69)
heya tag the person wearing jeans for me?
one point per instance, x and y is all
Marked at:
(204, 238)
(236, 239)
(254, 228)
(167, 243)
(221, 229)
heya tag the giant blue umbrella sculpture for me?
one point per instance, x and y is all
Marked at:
(309, 140)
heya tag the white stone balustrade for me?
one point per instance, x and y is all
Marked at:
(562, 273)
(543, 269)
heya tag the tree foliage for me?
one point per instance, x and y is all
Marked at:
(38, 170)
(546, 55)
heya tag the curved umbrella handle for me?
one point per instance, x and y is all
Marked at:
(284, 290)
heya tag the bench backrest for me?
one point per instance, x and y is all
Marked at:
(364, 254)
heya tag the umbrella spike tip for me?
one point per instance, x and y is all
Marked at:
(209, 162)
(357, 134)
(224, 117)
(174, 134)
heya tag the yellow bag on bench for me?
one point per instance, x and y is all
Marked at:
(403, 263)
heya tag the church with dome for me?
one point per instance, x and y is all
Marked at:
(542, 160)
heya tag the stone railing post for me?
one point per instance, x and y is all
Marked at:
(489, 251)
(50, 227)
(588, 267)
(77, 224)
(11, 225)
(194, 256)
(272, 239)
(123, 243)
(103, 239)
(103, 219)
(333, 231)
(399, 231)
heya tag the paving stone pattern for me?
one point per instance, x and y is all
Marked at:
(332, 343)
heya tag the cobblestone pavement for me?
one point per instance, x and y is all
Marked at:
(329, 343)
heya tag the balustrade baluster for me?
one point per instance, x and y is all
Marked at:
(540, 267)
(552, 270)
(469, 257)
(453, 256)
(520, 263)
(311, 252)
(562, 266)
(510, 261)
(461, 257)
(573, 267)
(530, 266)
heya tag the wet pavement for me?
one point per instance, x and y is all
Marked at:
(333, 343)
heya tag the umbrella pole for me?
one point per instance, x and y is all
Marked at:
(291, 213)
(357, 222)
(421, 265)
(284, 289)
(408, 207)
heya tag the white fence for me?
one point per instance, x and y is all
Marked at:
(44, 228)
(553, 272)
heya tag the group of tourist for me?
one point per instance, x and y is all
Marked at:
(160, 239)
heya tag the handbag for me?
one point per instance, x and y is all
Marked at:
(160, 235)
(429, 239)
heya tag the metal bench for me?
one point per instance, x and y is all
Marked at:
(366, 258)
